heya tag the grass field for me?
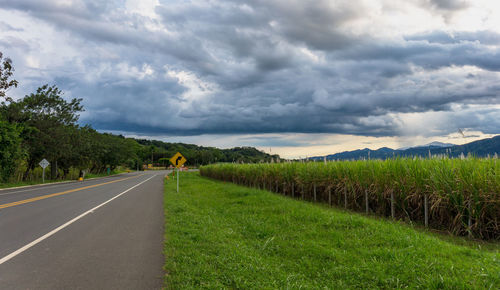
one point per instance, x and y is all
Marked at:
(455, 195)
(220, 235)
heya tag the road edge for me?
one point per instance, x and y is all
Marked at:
(62, 182)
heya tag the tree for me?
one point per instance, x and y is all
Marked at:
(10, 140)
(47, 118)
(6, 71)
(10, 149)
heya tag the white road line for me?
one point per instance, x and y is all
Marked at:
(37, 188)
(48, 185)
(31, 189)
(24, 248)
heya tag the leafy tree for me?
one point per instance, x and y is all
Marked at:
(48, 119)
(6, 71)
(10, 140)
(102, 150)
(10, 149)
(75, 148)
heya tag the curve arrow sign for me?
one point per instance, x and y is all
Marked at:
(178, 160)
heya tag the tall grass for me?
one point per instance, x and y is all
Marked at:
(463, 195)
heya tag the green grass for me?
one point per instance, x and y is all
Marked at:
(220, 235)
(463, 196)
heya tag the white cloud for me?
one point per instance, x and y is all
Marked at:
(143, 7)
(196, 88)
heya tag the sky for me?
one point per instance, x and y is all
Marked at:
(291, 77)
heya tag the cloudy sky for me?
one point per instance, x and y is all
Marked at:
(296, 77)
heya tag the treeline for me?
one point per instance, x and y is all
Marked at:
(200, 155)
(45, 125)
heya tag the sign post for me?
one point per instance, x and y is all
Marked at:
(178, 160)
(44, 163)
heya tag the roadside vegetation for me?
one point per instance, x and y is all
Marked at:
(220, 235)
(459, 196)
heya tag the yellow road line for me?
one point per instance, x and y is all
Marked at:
(6, 205)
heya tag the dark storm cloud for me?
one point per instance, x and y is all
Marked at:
(317, 26)
(100, 22)
(217, 67)
(428, 55)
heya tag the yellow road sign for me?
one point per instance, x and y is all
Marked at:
(178, 160)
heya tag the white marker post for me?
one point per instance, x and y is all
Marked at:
(44, 163)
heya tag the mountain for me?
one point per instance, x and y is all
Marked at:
(438, 144)
(480, 148)
(432, 144)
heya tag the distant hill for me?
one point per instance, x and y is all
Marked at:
(432, 144)
(200, 155)
(480, 148)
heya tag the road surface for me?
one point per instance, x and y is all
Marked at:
(98, 234)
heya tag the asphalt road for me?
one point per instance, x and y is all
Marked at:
(98, 234)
